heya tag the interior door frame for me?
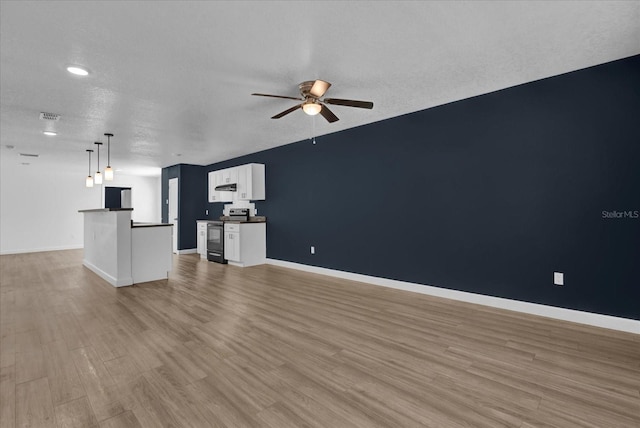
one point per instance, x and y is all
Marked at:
(173, 218)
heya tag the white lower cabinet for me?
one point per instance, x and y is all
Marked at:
(232, 245)
(245, 244)
(202, 238)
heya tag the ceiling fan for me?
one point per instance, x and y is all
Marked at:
(311, 92)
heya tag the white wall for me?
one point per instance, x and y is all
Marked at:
(39, 206)
(145, 196)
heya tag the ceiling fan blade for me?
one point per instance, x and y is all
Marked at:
(319, 88)
(328, 114)
(349, 103)
(287, 111)
(278, 96)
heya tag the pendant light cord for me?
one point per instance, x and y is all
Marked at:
(89, 151)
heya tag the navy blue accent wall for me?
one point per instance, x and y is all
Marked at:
(487, 195)
(113, 196)
(192, 197)
(166, 174)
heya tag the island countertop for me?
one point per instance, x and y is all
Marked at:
(123, 252)
(105, 210)
(256, 219)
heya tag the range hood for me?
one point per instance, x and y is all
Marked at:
(232, 187)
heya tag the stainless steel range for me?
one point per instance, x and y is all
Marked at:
(215, 241)
(239, 214)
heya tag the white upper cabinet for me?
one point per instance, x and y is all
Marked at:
(229, 175)
(249, 180)
(213, 195)
(217, 178)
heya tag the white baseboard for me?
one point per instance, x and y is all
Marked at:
(188, 251)
(41, 250)
(123, 282)
(588, 318)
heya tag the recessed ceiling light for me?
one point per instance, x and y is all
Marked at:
(50, 133)
(77, 71)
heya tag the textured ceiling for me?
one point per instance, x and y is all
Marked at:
(172, 78)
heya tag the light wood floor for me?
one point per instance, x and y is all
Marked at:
(219, 346)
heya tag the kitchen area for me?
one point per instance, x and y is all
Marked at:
(125, 252)
(239, 236)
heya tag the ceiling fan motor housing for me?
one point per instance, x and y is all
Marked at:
(305, 89)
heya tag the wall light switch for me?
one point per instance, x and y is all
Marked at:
(558, 278)
(313, 249)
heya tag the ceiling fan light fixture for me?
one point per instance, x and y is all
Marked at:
(311, 108)
(311, 91)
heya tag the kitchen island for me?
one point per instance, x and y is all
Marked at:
(123, 252)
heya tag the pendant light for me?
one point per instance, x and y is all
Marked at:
(89, 180)
(108, 171)
(98, 178)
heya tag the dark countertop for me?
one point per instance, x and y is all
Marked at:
(133, 225)
(256, 219)
(104, 210)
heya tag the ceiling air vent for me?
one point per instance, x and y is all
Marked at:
(29, 155)
(49, 116)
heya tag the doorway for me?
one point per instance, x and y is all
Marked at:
(173, 211)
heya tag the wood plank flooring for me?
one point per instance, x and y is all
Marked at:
(220, 346)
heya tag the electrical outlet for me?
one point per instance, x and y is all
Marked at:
(313, 249)
(558, 278)
(206, 212)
